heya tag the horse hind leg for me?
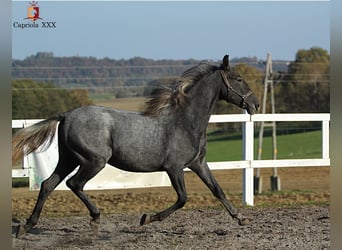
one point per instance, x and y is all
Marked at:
(177, 180)
(76, 184)
(47, 186)
(203, 171)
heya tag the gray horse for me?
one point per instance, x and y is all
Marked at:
(169, 135)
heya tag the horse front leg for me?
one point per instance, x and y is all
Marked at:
(177, 180)
(201, 168)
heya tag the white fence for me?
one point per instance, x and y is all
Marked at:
(247, 163)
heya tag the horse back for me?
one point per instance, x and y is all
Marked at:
(128, 140)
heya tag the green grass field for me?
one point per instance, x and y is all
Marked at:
(306, 145)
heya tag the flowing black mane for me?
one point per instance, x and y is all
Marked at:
(175, 95)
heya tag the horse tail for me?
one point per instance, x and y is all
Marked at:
(29, 139)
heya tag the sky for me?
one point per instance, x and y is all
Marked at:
(172, 30)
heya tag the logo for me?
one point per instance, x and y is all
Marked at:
(33, 11)
(33, 15)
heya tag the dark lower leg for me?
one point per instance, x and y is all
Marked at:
(78, 190)
(145, 219)
(76, 184)
(177, 180)
(94, 211)
(206, 176)
(47, 187)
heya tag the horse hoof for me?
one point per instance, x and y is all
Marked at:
(20, 231)
(244, 221)
(145, 219)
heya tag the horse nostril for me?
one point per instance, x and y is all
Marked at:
(257, 106)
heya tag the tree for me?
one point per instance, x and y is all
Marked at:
(31, 100)
(306, 85)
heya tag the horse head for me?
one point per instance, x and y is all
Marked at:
(236, 90)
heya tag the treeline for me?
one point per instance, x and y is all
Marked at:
(31, 100)
(305, 87)
(121, 78)
(97, 73)
(61, 83)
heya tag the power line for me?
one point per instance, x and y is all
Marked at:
(96, 78)
(142, 78)
(85, 88)
(72, 67)
(102, 67)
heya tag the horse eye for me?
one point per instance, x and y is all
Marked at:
(239, 79)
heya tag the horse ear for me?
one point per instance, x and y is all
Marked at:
(226, 62)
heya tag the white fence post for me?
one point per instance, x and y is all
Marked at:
(325, 139)
(248, 155)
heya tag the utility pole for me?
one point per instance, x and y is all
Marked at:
(275, 180)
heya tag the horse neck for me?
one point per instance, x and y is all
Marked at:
(201, 102)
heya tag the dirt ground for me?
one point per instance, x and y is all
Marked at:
(305, 227)
(283, 220)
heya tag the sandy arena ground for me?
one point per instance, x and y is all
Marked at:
(278, 221)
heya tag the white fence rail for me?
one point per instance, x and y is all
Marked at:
(247, 163)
